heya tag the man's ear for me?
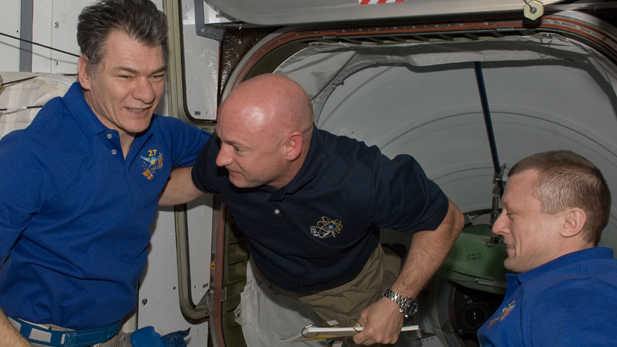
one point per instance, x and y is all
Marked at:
(293, 145)
(573, 222)
(82, 74)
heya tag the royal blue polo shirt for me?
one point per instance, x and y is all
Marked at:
(569, 301)
(75, 215)
(318, 231)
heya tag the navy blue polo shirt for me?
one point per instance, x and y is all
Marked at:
(75, 215)
(319, 230)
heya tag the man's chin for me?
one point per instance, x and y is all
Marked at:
(237, 183)
(137, 126)
(514, 266)
(242, 183)
(238, 180)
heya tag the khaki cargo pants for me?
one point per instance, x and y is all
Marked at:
(345, 302)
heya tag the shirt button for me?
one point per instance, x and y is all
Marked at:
(113, 151)
(277, 211)
(109, 136)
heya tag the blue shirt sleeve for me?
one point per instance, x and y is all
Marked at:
(205, 173)
(23, 186)
(186, 141)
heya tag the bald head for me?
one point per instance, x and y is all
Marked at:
(271, 101)
(265, 126)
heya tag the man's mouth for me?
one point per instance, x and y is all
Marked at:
(137, 110)
(232, 170)
(509, 247)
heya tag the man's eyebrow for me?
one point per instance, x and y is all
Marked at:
(227, 142)
(508, 208)
(220, 138)
(159, 70)
(504, 205)
(231, 143)
(133, 71)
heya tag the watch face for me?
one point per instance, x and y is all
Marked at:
(411, 307)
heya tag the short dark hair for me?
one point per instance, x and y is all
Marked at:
(139, 19)
(566, 180)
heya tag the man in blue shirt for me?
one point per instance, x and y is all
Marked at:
(81, 185)
(555, 206)
(311, 205)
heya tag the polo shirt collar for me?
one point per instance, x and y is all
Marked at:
(313, 163)
(82, 112)
(565, 260)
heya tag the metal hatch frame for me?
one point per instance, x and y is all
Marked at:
(579, 26)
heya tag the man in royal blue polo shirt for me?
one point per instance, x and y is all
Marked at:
(80, 186)
(555, 206)
(311, 205)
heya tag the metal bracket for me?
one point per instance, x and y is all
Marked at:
(224, 294)
(485, 282)
(533, 9)
(206, 301)
(201, 28)
(497, 192)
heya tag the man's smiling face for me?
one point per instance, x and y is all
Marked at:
(530, 234)
(128, 84)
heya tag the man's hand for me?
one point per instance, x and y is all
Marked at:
(382, 323)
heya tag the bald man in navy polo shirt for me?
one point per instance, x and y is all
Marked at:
(311, 205)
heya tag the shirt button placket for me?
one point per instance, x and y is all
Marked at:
(109, 137)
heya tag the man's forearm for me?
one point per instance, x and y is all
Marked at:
(180, 188)
(9, 337)
(382, 320)
(427, 252)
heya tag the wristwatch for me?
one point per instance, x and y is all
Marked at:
(408, 306)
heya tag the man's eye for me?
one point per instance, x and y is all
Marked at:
(237, 150)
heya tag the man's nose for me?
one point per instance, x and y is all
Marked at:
(500, 226)
(144, 91)
(223, 158)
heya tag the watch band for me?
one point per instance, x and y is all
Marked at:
(408, 306)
